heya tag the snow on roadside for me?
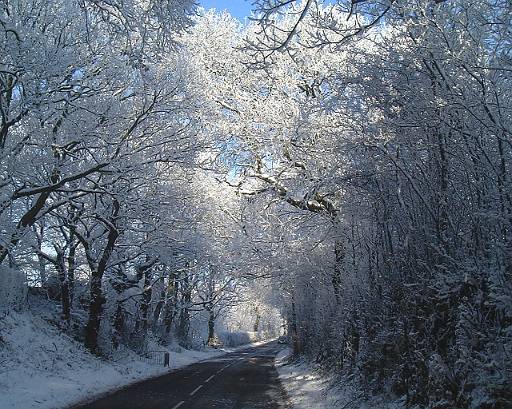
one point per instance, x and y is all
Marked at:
(307, 388)
(42, 368)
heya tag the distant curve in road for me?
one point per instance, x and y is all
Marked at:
(245, 379)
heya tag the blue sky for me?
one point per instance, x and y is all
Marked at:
(237, 8)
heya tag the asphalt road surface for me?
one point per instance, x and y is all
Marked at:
(240, 380)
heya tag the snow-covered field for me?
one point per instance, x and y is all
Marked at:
(42, 368)
(308, 388)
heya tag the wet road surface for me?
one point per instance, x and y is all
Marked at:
(244, 379)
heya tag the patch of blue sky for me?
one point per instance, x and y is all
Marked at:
(237, 8)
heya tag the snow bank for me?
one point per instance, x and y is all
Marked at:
(305, 388)
(308, 388)
(40, 367)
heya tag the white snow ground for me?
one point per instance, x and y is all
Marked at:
(42, 368)
(308, 388)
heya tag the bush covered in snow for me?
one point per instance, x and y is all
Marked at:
(234, 339)
(13, 289)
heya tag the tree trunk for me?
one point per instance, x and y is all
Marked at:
(339, 253)
(442, 225)
(184, 322)
(64, 287)
(71, 272)
(211, 327)
(147, 294)
(294, 329)
(97, 300)
(170, 305)
(95, 311)
(118, 326)
(169, 312)
(158, 308)
(256, 327)
(27, 220)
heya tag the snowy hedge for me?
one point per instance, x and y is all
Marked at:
(13, 289)
(233, 339)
